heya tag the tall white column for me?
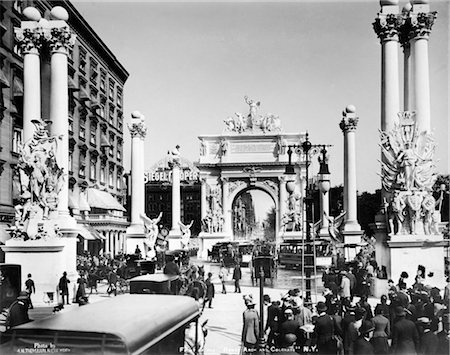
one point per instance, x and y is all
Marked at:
(60, 42)
(282, 199)
(176, 199)
(420, 22)
(348, 126)
(135, 232)
(29, 38)
(227, 228)
(203, 197)
(387, 26)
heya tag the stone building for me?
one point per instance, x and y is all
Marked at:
(96, 80)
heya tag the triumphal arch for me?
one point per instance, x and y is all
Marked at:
(250, 154)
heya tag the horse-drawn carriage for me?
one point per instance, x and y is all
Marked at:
(263, 262)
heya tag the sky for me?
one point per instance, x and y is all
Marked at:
(191, 64)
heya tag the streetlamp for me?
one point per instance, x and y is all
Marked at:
(308, 259)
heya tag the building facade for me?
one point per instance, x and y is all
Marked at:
(96, 84)
(158, 194)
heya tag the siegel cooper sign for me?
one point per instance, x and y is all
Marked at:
(187, 175)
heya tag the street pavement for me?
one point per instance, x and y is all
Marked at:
(224, 319)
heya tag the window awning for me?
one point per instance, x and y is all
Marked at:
(83, 203)
(103, 200)
(3, 79)
(17, 86)
(89, 233)
(84, 95)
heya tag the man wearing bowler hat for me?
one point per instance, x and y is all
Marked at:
(405, 337)
(324, 330)
(428, 340)
(250, 329)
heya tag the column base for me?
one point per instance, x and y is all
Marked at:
(407, 252)
(135, 237)
(207, 240)
(352, 243)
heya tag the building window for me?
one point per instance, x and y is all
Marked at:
(119, 151)
(111, 177)
(82, 171)
(120, 121)
(102, 111)
(92, 172)
(119, 97)
(102, 174)
(93, 72)
(119, 181)
(17, 139)
(71, 161)
(111, 90)
(70, 125)
(93, 134)
(111, 143)
(82, 133)
(111, 115)
(102, 80)
(82, 60)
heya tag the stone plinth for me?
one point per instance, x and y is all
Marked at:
(409, 251)
(46, 260)
(352, 243)
(135, 236)
(207, 240)
(296, 235)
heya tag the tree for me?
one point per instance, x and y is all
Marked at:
(270, 225)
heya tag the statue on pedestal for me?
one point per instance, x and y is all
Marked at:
(151, 233)
(409, 173)
(41, 178)
(186, 230)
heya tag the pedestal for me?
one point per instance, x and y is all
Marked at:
(352, 243)
(46, 260)
(207, 240)
(135, 236)
(174, 240)
(407, 252)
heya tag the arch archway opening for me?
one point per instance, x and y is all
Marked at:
(253, 215)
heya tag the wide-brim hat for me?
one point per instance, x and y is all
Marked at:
(321, 307)
(366, 327)
(23, 295)
(424, 320)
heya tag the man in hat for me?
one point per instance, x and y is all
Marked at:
(273, 318)
(428, 340)
(405, 338)
(289, 330)
(30, 288)
(18, 311)
(444, 335)
(324, 331)
(250, 329)
(362, 344)
(345, 287)
(210, 290)
(63, 287)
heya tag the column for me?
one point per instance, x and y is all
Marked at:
(226, 206)
(420, 21)
(203, 197)
(348, 126)
(29, 38)
(60, 40)
(138, 132)
(282, 199)
(387, 26)
(106, 235)
(176, 197)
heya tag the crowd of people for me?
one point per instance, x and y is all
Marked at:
(412, 320)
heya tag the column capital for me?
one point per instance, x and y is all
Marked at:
(387, 27)
(29, 40)
(137, 127)
(420, 24)
(60, 39)
(349, 120)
